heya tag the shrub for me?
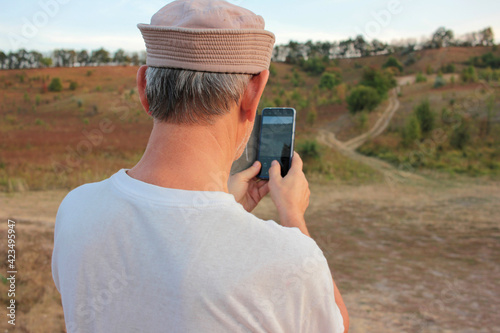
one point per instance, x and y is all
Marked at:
(314, 66)
(309, 149)
(468, 75)
(311, 116)
(450, 68)
(363, 98)
(460, 136)
(55, 85)
(411, 132)
(272, 71)
(73, 85)
(420, 77)
(429, 70)
(425, 117)
(382, 81)
(329, 80)
(439, 82)
(39, 122)
(393, 62)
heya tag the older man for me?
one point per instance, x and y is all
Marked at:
(170, 245)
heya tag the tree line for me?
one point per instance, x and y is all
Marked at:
(293, 52)
(69, 58)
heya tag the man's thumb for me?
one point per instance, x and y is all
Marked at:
(251, 171)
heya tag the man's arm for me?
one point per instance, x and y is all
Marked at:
(341, 305)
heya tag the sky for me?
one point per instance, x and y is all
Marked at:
(45, 25)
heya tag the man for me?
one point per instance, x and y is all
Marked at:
(170, 245)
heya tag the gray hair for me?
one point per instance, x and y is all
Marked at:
(188, 97)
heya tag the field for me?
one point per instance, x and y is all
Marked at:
(414, 247)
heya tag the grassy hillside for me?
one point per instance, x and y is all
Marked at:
(95, 125)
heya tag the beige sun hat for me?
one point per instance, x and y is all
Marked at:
(208, 35)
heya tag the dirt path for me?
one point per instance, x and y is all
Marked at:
(348, 148)
(380, 125)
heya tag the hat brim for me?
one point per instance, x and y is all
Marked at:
(246, 51)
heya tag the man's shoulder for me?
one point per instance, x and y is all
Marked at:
(85, 194)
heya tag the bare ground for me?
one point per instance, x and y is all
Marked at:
(407, 257)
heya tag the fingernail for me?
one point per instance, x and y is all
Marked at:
(255, 164)
(274, 162)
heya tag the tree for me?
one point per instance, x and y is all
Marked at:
(487, 37)
(315, 65)
(411, 131)
(382, 81)
(329, 80)
(135, 59)
(55, 85)
(468, 75)
(363, 98)
(393, 62)
(46, 62)
(442, 38)
(3, 56)
(100, 56)
(83, 57)
(460, 136)
(425, 116)
(121, 57)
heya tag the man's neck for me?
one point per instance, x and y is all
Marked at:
(193, 157)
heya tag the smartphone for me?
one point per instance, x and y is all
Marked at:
(276, 140)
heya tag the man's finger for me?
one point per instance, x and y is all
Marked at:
(275, 171)
(251, 172)
(297, 163)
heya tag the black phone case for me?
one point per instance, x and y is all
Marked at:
(249, 156)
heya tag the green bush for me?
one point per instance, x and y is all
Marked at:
(486, 60)
(450, 68)
(73, 85)
(393, 62)
(382, 81)
(329, 80)
(411, 132)
(468, 75)
(314, 66)
(272, 71)
(363, 98)
(460, 136)
(425, 116)
(439, 82)
(420, 77)
(55, 85)
(311, 116)
(309, 149)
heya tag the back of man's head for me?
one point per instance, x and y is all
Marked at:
(201, 55)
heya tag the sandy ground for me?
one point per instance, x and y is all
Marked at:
(406, 257)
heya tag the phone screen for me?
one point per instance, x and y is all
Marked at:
(276, 139)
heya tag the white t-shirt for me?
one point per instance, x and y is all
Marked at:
(135, 257)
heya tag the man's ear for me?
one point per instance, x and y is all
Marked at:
(252, 95)
(141, 86)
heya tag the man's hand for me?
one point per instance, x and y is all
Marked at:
(247, 189)
(290, 194)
